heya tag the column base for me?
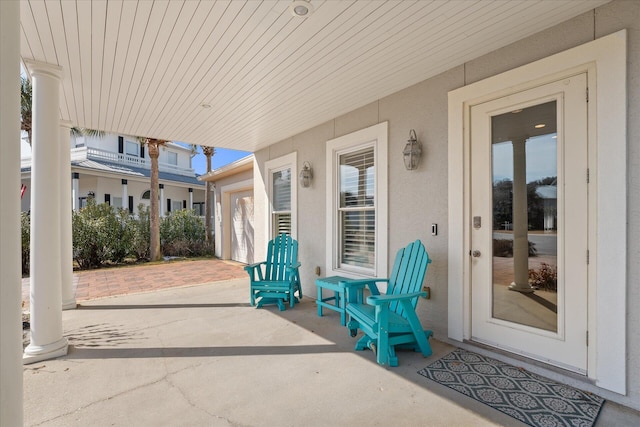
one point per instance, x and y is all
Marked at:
(38, 353)
(70, 304)
(525, 289)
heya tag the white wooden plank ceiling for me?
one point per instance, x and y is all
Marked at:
(146, 67)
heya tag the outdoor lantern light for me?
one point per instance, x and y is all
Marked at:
(306, 175)
(300, 8)
(412, 152)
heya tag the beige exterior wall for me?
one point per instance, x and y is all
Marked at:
(419, 198)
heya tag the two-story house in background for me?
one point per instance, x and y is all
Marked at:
(116, 169)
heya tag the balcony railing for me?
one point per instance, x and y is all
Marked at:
(84, 153)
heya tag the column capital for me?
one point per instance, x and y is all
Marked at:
(161, 186)
(37, 68)
(124, 182)
(75, 175)
(190, 190)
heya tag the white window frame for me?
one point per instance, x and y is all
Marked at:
(135, 148)
(377, 137)
(171, 154)
(288, 161)
(605, 62)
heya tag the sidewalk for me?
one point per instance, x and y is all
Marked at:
(106, 282)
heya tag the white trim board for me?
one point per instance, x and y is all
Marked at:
(604, 60)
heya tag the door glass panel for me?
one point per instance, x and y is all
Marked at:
(525, 226)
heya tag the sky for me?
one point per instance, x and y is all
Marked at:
(541, 159)
(222, 156)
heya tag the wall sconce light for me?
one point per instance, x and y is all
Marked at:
(412, 152)
(91, 195)
(306, 175)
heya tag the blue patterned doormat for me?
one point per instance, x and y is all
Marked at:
(525, 396)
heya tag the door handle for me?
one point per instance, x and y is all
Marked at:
(475, 254)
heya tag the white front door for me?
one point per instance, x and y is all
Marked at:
(242, 226)
(529, 223)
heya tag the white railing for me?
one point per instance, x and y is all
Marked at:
(84, 153)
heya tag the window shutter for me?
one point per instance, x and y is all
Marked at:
(282, 223)
(107, 199)
(281, 185)
(142, 151)
(282, 190)
(357, 212)
(130, 204)
(120, 145)
(168, 205)
(184, 204)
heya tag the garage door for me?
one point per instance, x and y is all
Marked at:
(242, 226)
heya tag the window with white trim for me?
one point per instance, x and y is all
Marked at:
(357, 206)
(281, 213)
(132, 148)
(282, 193)
(172, 158)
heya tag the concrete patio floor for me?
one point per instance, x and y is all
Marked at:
(201, 356)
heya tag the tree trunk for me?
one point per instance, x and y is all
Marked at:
(208, 152)
(154, 152)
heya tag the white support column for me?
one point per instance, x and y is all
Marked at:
(125, 195)
(11, 388)
(47, 341)
(161, 205)
(520, 219)
(190, 198)
(66, 206)
(75, 191)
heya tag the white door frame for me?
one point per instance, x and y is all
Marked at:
(227, 215)
(604, 61)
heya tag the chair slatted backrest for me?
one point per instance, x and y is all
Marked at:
(408, 273)
(282, 252)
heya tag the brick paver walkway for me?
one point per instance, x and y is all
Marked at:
(91, 284)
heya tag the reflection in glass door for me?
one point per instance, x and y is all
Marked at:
(525, 247)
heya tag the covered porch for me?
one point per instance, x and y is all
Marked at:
(294, 91)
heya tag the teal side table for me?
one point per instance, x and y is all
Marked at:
(341, 296)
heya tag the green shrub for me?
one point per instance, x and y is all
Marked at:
(100, 235)
(140, 233)
(183, 234)
(545, 278)
(25, 225)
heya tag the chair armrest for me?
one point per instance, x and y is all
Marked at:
(250, 267)
(361, 283)
(294, 267)
(385, 299)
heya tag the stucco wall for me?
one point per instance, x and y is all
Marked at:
(419, 198)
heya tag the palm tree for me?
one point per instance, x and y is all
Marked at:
(25, 106)
(208, 152)
(154, 152)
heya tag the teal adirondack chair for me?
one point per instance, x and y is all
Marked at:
(390, 320)
(276, 280)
